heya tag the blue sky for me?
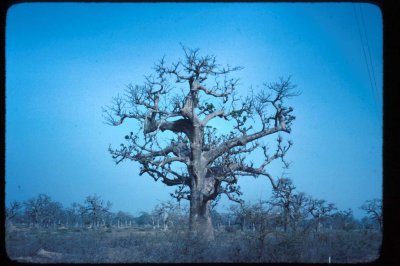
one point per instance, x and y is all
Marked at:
(65, 61)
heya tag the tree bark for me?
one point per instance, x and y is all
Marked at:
(200, 224)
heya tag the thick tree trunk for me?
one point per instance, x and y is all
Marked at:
(200, 224)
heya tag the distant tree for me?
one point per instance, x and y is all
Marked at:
(123, 219)
(42, 211)
(143, 219)
(93, 210)
(262, 217)
(320, 210)
(193, 156)
(73, 215)
(33, 208)
(373, 208)
(161, 215)
(13, 210)
(298, 212)
(343, 220)
(156, 218)
(292, 204)
(282, 197)
(167, 214)
(241, 214)
(367, 223)
(216, 218)
(177, 214)
(13, 213)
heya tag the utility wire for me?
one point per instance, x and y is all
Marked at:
(370, 57)
(373, 90)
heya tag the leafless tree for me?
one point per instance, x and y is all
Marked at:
(12, 211)
(182, 149)
(298, 209)
(168, 214)
(122, 219)
(374, 210)
(93, 210)
(319, 210)
(344, 219)
(42, 211)
(292, 204)
(282, 197)
(241, 214)
(72, 215)
(262, 217)
(34, 207)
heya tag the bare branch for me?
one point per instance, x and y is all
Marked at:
(219, 113)
(211, 163)
(116, 114)
(239, 141)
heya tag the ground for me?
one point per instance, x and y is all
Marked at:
(137, 244)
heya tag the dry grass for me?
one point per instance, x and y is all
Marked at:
(138, 245)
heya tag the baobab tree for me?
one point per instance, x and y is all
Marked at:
(374, 210)
(282, 197)
(319, 210)
(12, 211)
(42, 211)
(93, 210)
(299, 210)
(180, 146)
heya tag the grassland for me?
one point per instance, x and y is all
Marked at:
(111, 245)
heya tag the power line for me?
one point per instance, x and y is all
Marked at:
(370, 56)
(373, 88)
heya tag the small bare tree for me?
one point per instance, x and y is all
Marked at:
(72, 215)
(282, 197)
(93, 210)
(167, 213)
(241, 214)
(42, 211)
(122, 219)
(12, 211)
(319, 210)
(343, 219)
(192, 155)
(374, 210)
(298, 210)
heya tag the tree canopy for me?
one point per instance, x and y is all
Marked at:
(182, 98)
